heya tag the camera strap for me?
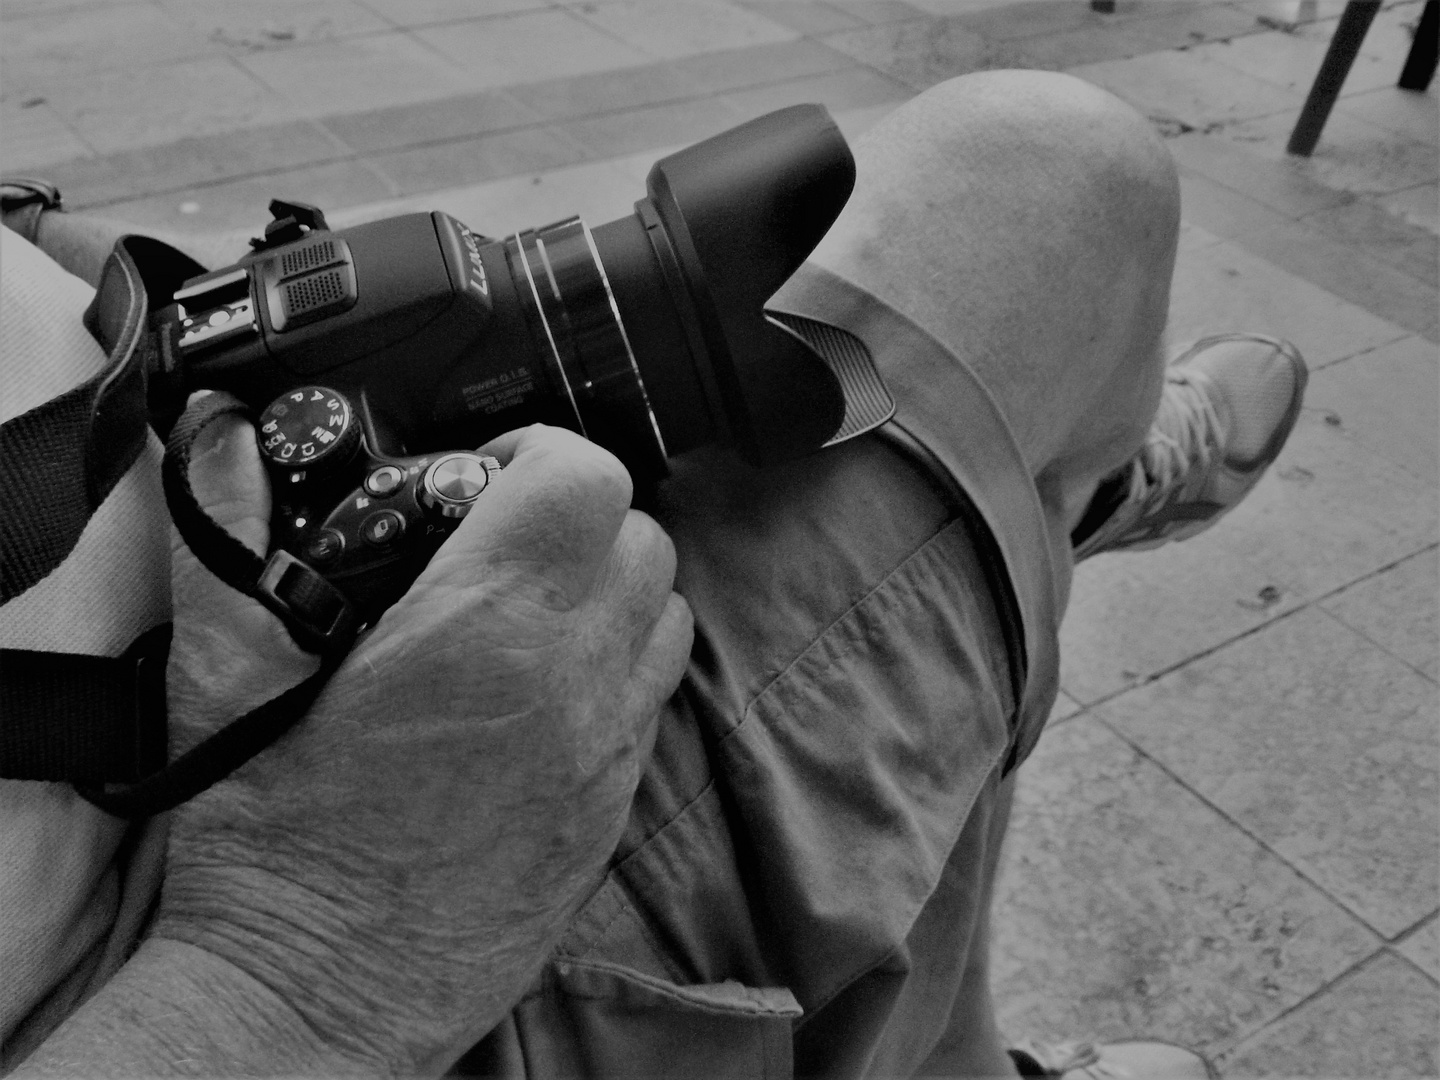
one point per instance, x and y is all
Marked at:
(75, 716)
(100, 722)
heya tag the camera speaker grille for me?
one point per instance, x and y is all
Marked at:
(307, 258)
(315, 291)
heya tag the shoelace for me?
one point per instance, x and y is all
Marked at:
(1187, 431)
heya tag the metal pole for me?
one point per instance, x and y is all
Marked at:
(1420, 64)
(1336, 65)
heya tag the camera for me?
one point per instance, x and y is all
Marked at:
(377, 350)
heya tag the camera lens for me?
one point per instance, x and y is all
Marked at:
(571, 309)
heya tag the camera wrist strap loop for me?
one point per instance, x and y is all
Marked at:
(235, 564)
(215, 758)
(316, 614)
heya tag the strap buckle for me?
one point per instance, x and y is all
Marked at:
(316, 613)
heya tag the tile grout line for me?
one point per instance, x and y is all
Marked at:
(1319, 992)
(1398, 955)
(1212, 649)
(1245, 831)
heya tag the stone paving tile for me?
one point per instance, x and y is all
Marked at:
(267, 24)
(1006, 22)
(1290, 61)
(1419, 205)
(614, 134)
(1128, 908)
(186, 163)
(527, 47)
(356, 74)
(1193, 238)
(1398, 609)
(119, 110)
(1378, 1021)
(1082, 45)
(1285, 184)
(1405, 112)
(805, 16)
(11, 9)
(1321, 745)
(1134, 615)
(599, 191)
(877, 12)
(923, 53)
(1352, 155)
(839, 91)
(431, 121)
(1188, 27)
(1226, 287)
(1388, 400)
(739, 68)
(1422, 947)
(1364, 225)
(1186, 88)
(472, 161)
(604, 91)
(1332, 513)
(675, 28)
(1387, 41)
(426, 12)
(35, 135)
(239, 205)
(1309, 250)
(68, 46)
(1371, 283)
(855, 122)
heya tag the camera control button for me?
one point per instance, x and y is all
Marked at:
(453, 483)
(385, 480)
(382, 528)
(324, 546)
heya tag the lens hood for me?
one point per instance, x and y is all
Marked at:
(741, 212)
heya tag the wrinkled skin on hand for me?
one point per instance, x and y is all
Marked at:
(398, 865)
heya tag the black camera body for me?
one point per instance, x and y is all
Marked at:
(647, 335)
(367, 521)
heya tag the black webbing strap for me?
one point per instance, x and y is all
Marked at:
(113, 709)
(60, 460)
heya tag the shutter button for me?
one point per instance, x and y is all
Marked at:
(384, 481)
(451, 485)
(382, 528)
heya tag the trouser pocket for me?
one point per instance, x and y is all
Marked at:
(599, 1019)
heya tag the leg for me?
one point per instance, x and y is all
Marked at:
(1028, 221)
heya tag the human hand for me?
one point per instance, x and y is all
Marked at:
(397, 867)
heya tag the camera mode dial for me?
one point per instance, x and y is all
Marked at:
(309, 428)
(453, 482)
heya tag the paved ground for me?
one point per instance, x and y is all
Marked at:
(1228, 838)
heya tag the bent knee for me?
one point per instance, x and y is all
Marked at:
(1083, 139)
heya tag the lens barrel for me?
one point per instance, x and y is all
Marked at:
(575, 321)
